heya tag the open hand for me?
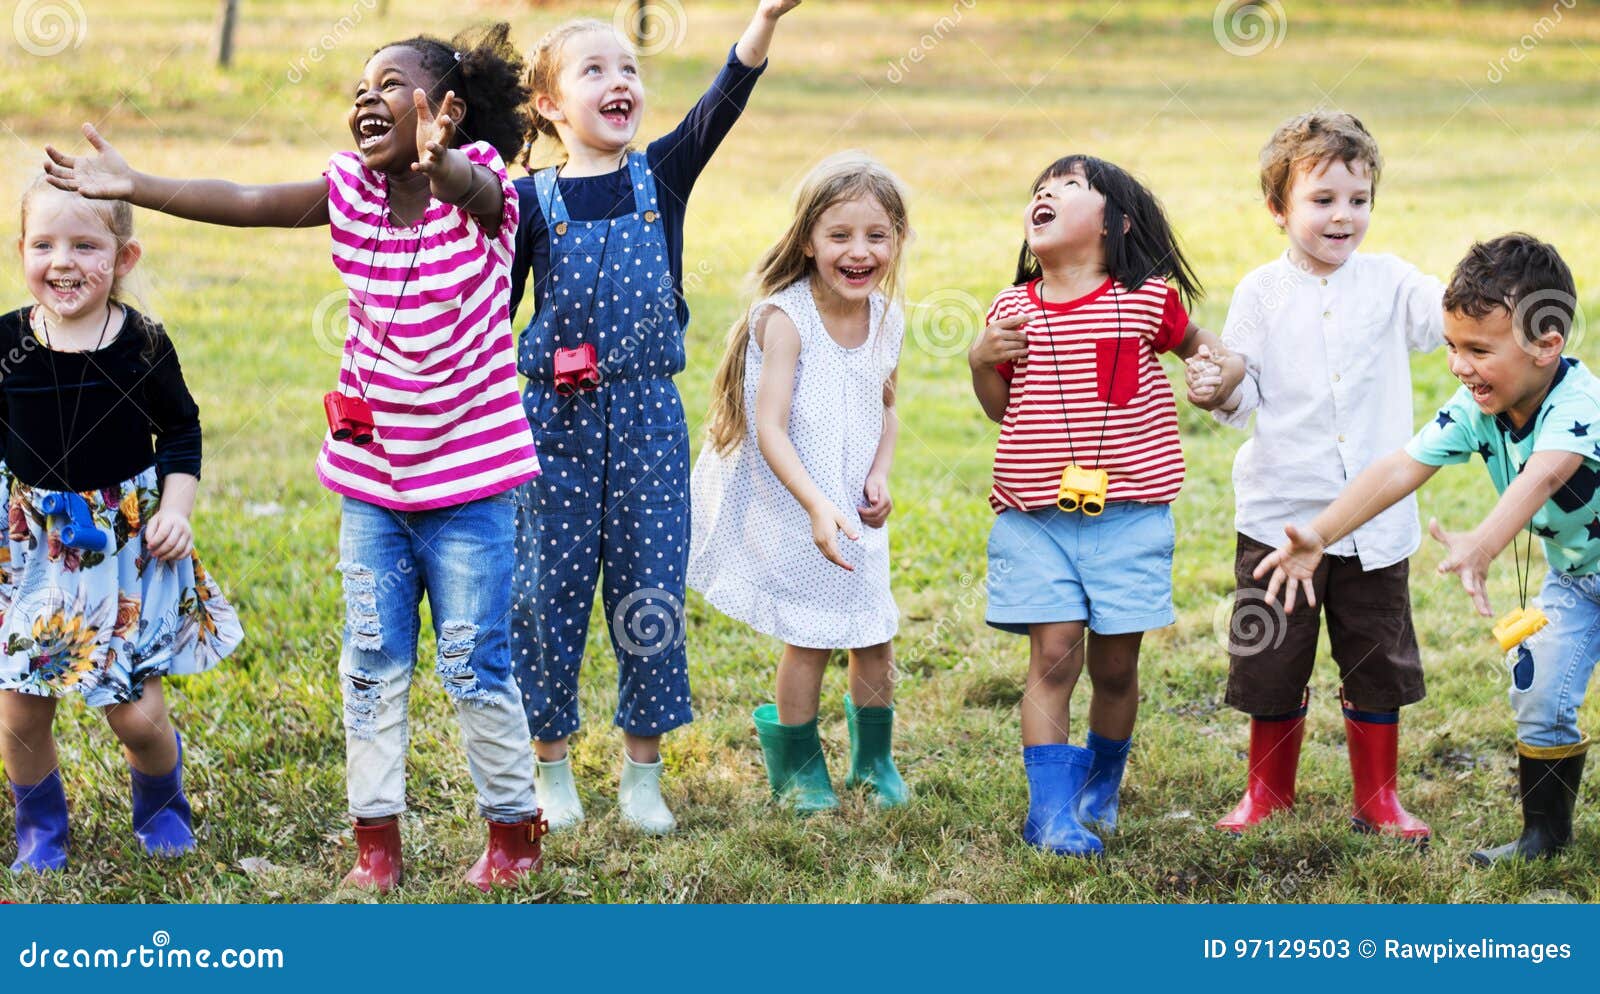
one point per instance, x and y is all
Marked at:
(827, 522)
(876, 510)
(1465, 557)
(774, 9)
(1295, 563)
(1202, 372)
(435, 133)
(1003, 341)
(105, 175)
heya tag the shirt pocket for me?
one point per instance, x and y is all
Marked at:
(1116, 367)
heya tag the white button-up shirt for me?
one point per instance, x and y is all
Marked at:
(1328, 376)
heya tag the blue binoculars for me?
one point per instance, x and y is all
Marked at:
(80, 531)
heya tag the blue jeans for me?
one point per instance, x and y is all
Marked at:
(461, 558)
(1548, 681)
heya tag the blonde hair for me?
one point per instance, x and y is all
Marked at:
(544, 77)
(1308, 141)
(117, 215)
(840, 178)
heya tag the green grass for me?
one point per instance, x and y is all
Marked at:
(1008, 89)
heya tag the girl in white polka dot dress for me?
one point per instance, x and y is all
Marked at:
(802, 434)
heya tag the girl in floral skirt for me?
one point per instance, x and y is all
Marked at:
(100, 590)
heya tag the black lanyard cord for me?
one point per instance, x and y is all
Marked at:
(62, 425)
(1524, 568)
(1116, 355)
(372, 264)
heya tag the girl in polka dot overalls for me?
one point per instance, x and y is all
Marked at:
(802, 433)
(602, 237)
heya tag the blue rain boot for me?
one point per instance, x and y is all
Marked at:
(1056, 775)
(1098, 804)
(41, 825)
(161, 815)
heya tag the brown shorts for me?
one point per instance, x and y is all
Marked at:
(1270, 654)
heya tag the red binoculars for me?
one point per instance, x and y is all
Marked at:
(575, 370)
(349, 417)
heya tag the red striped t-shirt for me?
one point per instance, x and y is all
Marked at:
(1090, 391)
(448, 421)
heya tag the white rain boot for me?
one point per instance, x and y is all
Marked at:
(640, 798)
(557, 793)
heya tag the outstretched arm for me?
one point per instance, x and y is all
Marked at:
(106, 175)
(1375, 489)
(1468, 554)
(757, 38)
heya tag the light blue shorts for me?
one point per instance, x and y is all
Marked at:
(1113, 571)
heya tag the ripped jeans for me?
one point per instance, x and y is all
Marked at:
(461, 558)
(1551, 670)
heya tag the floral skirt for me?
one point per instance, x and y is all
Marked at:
(102, 623)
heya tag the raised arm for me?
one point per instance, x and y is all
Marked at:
(106, 175)
(757, 38)
(452, 177)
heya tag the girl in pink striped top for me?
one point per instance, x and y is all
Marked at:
(1085, 471)
(427, 438)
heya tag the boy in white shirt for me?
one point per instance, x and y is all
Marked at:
(1531, 414)
(1326, 334)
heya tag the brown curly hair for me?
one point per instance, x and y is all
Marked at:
(1306, 142)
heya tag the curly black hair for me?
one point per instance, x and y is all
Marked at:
(486, 71)
(1520, 274)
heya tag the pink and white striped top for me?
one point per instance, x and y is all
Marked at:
(448, 421)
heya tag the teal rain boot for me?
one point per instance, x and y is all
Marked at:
(795, 766)
(871, 762)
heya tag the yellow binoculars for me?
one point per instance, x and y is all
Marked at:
(1516, 627)
(1082, 490)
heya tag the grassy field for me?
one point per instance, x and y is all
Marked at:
(967, 99)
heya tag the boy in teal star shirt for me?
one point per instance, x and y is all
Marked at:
(1533, 416)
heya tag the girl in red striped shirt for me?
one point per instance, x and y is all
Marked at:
(427, 439)
(1086, 467)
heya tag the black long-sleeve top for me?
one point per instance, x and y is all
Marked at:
(676, 160)
(90, 420)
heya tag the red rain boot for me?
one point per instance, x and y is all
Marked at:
(1274, 759)
(513, 852)
(379, 865)
(1374, 739)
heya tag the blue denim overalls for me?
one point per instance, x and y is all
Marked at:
(614, 486)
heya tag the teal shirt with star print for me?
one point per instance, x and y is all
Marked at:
(1567, 421)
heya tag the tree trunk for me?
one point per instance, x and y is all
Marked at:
(230, 12)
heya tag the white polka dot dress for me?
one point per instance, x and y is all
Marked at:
(750, 550)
